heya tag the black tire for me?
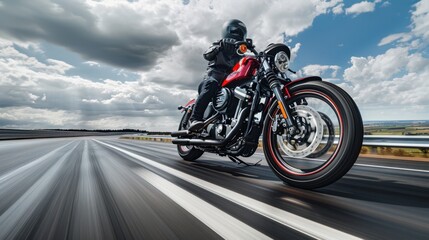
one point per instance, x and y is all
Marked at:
(346, 151)
(188, 153)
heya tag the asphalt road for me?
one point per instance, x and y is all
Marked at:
(11, 134)
(107, 188)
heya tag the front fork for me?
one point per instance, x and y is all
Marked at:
(281, 99)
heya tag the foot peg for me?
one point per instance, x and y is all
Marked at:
(239, 161)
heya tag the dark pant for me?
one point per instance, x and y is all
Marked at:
(207, 91)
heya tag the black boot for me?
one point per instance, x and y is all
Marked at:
(207, 90)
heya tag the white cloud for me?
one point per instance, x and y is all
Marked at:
(418, 37)
(266, 22)
(33, 97)
(181, 33)
(90, 100)
(393, 85)
(420, 20)
(396, 78)
(386, 4)
(27, 117)
(60, 66)
(402, 37)
(379, 68)
(34, 118)
(92, 63)
(361, 7)
(136, 34)
(152, 99)
(120, 33)
(328, 71)
(172, 77)
(339, 9)
(27, 83)
(294, 51)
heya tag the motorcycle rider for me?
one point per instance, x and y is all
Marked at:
(222, 56)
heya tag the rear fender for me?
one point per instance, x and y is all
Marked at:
(189, 104)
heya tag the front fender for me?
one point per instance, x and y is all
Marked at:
(299, 81)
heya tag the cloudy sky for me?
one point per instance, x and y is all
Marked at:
(129, 64)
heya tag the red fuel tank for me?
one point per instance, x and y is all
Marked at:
(244, 70)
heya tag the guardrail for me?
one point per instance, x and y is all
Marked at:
(396, 141)
(400, 141)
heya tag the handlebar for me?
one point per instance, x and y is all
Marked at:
(249, 45)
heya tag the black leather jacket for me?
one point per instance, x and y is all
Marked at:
(221, 60)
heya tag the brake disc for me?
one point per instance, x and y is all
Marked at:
(312, 138)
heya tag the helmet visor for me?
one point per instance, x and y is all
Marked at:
(237, 33)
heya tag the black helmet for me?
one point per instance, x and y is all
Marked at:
(234, 29)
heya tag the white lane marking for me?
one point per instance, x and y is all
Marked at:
(220, 222)
(33, 163)
(393, 168)
(17, 215)
(373, 166)
(357, 164)
(303, 225)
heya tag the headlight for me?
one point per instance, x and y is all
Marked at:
(282, 61)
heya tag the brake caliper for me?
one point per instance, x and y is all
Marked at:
(279, 125)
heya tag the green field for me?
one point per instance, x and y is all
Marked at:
(397, 128)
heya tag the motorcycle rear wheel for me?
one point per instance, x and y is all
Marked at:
(188, 153)
(306, 172)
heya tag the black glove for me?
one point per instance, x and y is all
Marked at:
(211, 53)
(227, 45)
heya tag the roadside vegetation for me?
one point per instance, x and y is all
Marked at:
(399, 152)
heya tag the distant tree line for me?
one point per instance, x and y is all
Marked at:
(125, 130)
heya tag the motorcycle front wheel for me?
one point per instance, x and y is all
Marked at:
(303, 159)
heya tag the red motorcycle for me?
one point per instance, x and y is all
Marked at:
(311, 130)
